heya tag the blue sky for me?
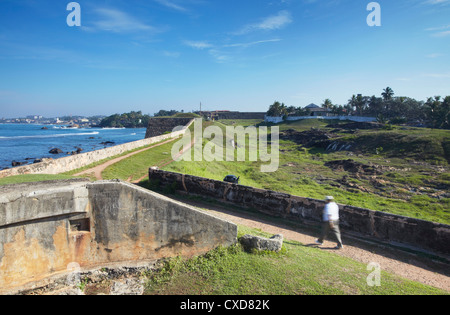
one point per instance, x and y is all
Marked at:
(228, 54)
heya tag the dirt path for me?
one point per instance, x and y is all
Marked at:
(407, 265)
(97, 170)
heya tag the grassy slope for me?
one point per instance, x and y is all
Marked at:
(31, 178)
(297, 269)
(137, 166)
(407, 186)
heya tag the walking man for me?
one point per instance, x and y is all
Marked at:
(330, 222)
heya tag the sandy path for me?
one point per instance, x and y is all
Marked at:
(407, 265)
(97, 170)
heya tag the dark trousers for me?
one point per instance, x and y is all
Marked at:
(326, 228)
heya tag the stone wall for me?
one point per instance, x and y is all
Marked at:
(69, 163)
(160, 126)
(241, 115)
(277, 120)
(385, 227)
(46, 228)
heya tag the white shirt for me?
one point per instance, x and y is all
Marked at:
(331, 209)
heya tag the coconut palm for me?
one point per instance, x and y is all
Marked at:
(327, 104)
(387, 94)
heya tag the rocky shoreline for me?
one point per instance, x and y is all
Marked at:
(53, 151)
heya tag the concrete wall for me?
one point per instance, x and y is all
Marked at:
(385, 227)
(277, 120)
(47, 227)
(69, 163)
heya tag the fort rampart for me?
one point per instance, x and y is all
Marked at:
(375, 225)
(161, 126)
(47, 228)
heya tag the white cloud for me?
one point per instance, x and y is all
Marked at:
(219, 56)
(245, 45)
(441, 31)
(171, 54)
(440, 28)
(433, 2)
(442, 34)
(435, 55)
(270, 23)
(172, 5)
(437, 75)
(198, 44)
(116, 21)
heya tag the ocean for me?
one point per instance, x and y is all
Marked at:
(27, 142)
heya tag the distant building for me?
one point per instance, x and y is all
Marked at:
(317, 111)
(35, 117)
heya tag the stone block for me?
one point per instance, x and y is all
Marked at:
(273, 244)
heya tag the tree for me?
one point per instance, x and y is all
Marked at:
(164, 113)
(375, 106)
(327, 104)
(387, 94)
(338, 110)
(350, 107)
(360, 103)
(277, 109)
(437, 112)
(127, 120)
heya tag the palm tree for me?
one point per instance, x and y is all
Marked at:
(351, 103)
(360, 103)
(277, 109)
(387, 94)
(327, 104)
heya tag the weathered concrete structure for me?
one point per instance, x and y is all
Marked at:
(47, 227)
(376, 225)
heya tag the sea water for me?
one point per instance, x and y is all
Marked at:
(28, 142)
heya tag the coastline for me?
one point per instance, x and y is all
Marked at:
(73, 162)
(25, 144)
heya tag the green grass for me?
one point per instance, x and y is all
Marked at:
(18, 179)
(73, 172)
(296, 270)
(427, 145)
(302, 173)
(137, 166)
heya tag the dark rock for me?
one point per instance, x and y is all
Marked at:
(353, 167)
(55, 151)
(41, 160)
(309, 138)
(14, 163)
(250, 242)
